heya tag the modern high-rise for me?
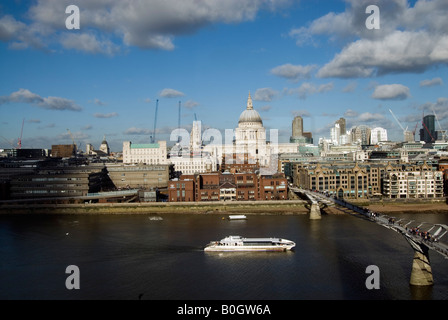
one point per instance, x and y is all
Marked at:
(378, 134)
(196, 137)
(361, 134)
(342, 126)
(428, 131)
(298, 135)
(297, 126)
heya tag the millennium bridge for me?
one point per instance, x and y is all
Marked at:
(422, 236)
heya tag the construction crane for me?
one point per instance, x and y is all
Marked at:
(415, 129)
(178, 124)
(178, 119)
(404, 130)
(19, 142)
(444, 136)
(153, 138)
(73, 140)
(11, 143)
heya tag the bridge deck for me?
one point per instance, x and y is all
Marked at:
(432, 236)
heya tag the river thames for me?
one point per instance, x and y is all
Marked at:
(131, 257)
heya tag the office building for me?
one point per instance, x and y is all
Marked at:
(139, 176)
(58, 181)
(63, 150)
(377, 135)
(352, 180)
(146, 153)
(298, 135)
(361, 135)
(428, 133)
(413, 184)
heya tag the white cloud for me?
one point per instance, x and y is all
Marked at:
(107, 25)
(19, 34)
(76, 136)
(293, 72)
(431, 82)
(190, 104)
(88, 42)
(410, 39)
(308, 88)
(350, 87)
(265, 94)
(350, 113)
(137, 131)
(171, 93)
(391, 92)
(301, 113)
(369, 117)
(440, 108)
(105, 115)
(51, 103)
(98, 102)
(400, 51)
(355, 118)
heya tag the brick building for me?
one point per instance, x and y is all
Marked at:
(219, 186)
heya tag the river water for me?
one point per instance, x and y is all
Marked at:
(134, 257)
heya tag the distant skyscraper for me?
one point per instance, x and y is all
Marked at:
(196, 137)
(377, 135)
(361, 134)
(298, 135)
(408, 136)
(338, 134)
(341, 123)
(297, 126)
(335, 133)
(428, 132)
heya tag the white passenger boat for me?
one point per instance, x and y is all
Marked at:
(237, 217)
(237, 243)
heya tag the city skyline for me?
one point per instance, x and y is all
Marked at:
(308, 58)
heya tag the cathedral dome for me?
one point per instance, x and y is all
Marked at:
(250, 115)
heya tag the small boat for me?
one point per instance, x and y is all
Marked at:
(238, 243)
(237, 217)
(156, 218)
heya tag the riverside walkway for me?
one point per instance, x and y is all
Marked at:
(422, 236)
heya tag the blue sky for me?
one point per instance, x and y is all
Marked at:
(316, 59)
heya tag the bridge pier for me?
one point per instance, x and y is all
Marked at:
(421, 274)
(315, 212)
